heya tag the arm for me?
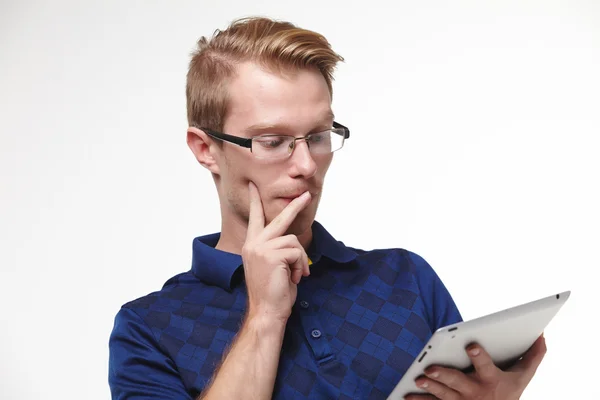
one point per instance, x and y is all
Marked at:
(487, 382)
(439, 303)
(250, 367)
(138, 368)
(273, 266)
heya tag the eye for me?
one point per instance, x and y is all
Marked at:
(270, 142)
(318, 137)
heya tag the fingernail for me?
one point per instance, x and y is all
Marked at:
(474, 352)
(434, 374)
(424, 384)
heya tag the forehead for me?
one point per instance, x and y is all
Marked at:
(295, 100)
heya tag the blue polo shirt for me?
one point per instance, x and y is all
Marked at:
(359, 320)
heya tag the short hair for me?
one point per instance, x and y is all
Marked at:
(276, 45)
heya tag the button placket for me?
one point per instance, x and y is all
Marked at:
(313, 330)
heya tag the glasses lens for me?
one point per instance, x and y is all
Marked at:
(271, 146)
(326, 142)
(280, 146)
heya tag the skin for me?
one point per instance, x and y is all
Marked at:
(487, 382)
(296, 104)
(271, 231)
(260, 221)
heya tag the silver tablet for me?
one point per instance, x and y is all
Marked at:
(506, 335)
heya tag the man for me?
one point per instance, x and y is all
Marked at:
(274, 306)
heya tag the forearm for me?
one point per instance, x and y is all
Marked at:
(249, 369)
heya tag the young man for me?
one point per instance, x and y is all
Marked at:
(274, 306)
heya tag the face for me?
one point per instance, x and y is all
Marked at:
(263, 102)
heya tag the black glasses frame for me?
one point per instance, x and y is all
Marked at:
(247, 142)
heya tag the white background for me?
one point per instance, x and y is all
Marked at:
(474, 143)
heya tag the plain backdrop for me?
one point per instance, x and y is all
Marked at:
(474, 143)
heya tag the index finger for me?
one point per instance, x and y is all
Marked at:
(256, 217)
(282, 222)
(483, 363)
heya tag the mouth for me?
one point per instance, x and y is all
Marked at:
(289, 199)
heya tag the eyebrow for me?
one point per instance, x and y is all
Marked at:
(262, 127)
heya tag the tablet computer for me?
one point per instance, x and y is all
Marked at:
(506, 335)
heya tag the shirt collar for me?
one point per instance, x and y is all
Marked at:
(323, 244)
(217, 267)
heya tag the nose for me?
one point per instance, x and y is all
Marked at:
(303, 164)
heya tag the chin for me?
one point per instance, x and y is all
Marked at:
(300, 225)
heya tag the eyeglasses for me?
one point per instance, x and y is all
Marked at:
(273, 147)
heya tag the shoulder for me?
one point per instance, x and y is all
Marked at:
(182, 295)
(411, 281)
(143, 345)
(174, 288)
(389, 263)
(152, 323)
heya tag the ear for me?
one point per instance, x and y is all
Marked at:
(204, 148)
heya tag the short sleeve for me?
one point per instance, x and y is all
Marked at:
(138, 369)
(439, 304)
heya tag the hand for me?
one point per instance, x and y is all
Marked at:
(487, 382)
(273, 264)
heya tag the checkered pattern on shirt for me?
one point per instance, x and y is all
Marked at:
(374, 315)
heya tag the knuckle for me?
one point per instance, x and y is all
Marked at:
(440, 391)
(490, 376)
(248, 248)
(297, 253)
(261, 252)
(245, 252)
(451, 379)
(252, 250)
(293, 240)
(488, 366)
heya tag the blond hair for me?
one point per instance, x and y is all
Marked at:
(276, 45)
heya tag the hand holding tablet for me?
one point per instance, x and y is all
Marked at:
(499, 353)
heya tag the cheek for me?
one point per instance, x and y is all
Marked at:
(233, 184)
(323, 164)
(235, 179)
(237, 172)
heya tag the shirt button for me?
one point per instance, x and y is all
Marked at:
(316, 333)
(304, 304)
